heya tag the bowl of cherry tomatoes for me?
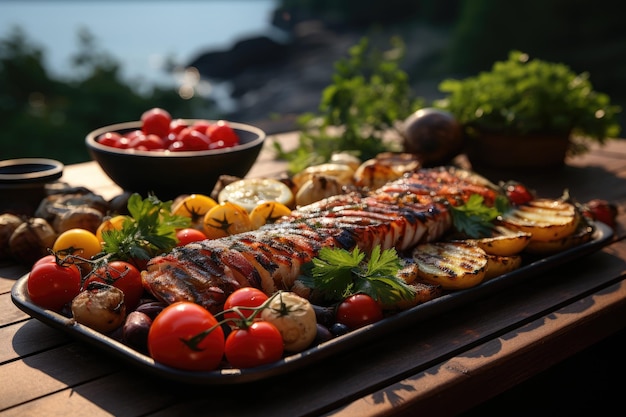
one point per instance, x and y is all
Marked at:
(168, 157)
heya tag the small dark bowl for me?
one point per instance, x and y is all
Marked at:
(170, 174)
(23, 183)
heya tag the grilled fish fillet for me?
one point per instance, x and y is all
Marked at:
(400, 214)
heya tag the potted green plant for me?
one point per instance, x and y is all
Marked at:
(527, 113)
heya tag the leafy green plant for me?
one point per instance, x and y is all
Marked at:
(522, 96)
(367, 97)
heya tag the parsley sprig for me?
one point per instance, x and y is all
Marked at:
(150, 232)
(475, 218)
(337, 273)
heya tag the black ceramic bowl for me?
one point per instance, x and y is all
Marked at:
(23, 182)
(170, 174)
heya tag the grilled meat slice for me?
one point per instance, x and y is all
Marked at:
(401, 214)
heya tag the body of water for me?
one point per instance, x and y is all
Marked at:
(140, 35)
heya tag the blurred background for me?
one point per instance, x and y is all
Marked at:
(68, 67)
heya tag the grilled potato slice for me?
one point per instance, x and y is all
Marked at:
(503, 241)
(545, 219)
(453, 265)
(499, 265)
(583, 234)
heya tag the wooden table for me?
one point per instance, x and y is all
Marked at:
(443, 365)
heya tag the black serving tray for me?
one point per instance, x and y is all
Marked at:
(19, 294)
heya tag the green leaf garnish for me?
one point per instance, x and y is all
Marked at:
(475, 218)
(151, 231)
(337, 273)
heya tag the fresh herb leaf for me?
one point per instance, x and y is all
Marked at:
(150, 232)
(475, 218)
(369, 93)
(337, 273)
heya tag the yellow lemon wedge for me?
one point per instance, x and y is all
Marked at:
(268, 212)
(226, 219)
(194, 206)
(250, 192)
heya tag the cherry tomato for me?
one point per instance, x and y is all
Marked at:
(148, 142)
(190, 140)
(222, 132)
(182, 321)
(603, 211)
(259, 344)
(156, 121)
(358, 310)
(79, 242)
(52, 286)
(113, 139)
(518, 194)
(122, 275)
(244, 297)
(189, 235)
(201, 126)
(177, 125)
(45, 259)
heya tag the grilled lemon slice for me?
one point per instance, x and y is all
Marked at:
(250, 192)
(544, 219)
(453, 265)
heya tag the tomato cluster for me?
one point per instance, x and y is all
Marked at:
(159, 132)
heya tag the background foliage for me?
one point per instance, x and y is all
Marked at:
(43, 116)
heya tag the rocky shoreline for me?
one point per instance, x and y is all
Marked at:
(274, 79)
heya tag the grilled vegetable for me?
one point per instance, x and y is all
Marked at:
(135, 330)
(30, 240)
(453, 265)
(100, 307)
(8, 223)
(295, 319)
(503, 241)
(79, 217)
(341, 172)
(545, 219)
(316, 188)
(583, 234)
(499, 265)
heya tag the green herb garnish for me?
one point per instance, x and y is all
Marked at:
(337, 273)
(475, 218)
(150, 232)
(369, 93)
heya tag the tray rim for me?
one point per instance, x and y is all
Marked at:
(602, 235)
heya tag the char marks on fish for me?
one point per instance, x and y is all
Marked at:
(400, 214)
